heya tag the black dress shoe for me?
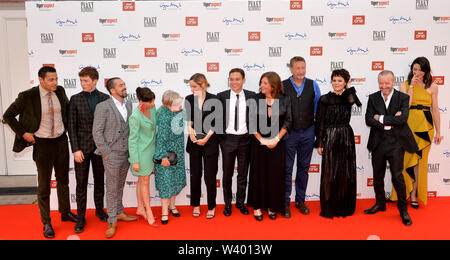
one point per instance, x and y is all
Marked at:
(227, 210)
(48, 231)
(258, 218)
(69, 217)
(79, 227)
(101, 215)
(273, 215)
(406, 219)
(302, 207)
(176, 214)
(375, 209)
(287, 212)
(242, 209)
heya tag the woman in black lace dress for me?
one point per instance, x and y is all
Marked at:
(336, 143)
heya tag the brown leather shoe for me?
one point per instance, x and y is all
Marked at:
(111, 231)
(124, 217)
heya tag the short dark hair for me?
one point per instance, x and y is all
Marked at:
(296, 59)
(110, 84)
(343, 73)
(145, 94)
(238, 70)
(44, 70)
(91, 72)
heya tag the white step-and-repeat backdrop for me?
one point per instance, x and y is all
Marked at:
(161, 44)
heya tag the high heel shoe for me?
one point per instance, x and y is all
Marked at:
(414, 204)
(164, 222)
(154, 224)
(142, 214)
(175, 214)
(258, 217)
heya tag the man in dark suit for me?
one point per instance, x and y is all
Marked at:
(387, 115)
(235, 141)
(80, 121)
(42, 123)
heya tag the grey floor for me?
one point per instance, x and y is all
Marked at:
(15, 182)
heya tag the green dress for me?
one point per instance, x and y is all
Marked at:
(141, 143)
(170, 180)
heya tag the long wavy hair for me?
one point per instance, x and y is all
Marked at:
(424, 64)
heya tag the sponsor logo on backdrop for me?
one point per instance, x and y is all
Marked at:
(70, 83)
(68, 53)
(212, 67)
(128, 6)
(433, 167)
(359, 20)
(130, 37)
(422, 4)
(254, 66)
(213, 37)
(254, 36)
(337, 35)
(358, 81)
(192, 52)
(150, 52)
(400, 20)
(399, 50)
(379, 36)
(441, 19)
(314, 168)
(108, 22)
(172, 67)
(171, 37)
(275, 20)
(212, 5)
(360, 169)
(317, 20)
(296, 5)
(275, 51)
(191, 21)
(31, 53)
(357, 139)
(296, 36)
(338, 4)
(322, 82)
(144, 83)
(47, 38)
(48, 65)
(379, 4)
(357, 111)
(88, 37)
(443, 110)
(109, 53)
(370, 182)
(130, 68)
(336, 65)
(63, 22)
(234, 52)
(53, 184)
(399, 80)
(45, 7)
(150, 22)
(420, 35)
(316, 51)
(217, 183)
(254, 5)
(439, 80)
(446, 181)
(358, 51)
(170, 6)
(87, 7)
(440, 50)
(132, 98)
(233, 21)
(432, 194)
(377, 65)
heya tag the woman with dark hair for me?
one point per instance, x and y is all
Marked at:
(203, 143)
(424, 121)
(273, 119)
(141, 145)
(335, 142)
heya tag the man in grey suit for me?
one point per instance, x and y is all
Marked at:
(110, 132)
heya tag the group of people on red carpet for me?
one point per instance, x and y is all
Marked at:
(263, 132)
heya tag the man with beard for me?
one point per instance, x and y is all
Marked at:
(110, 132)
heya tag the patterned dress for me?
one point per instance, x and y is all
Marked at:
(170, 137)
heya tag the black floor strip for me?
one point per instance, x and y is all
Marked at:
(18, 191)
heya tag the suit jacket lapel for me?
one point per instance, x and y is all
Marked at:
(393, 104)
(380, 104)
(85, 105)
(118, 115)
(37, 106)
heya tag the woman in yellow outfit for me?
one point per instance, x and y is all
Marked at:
(424, 120)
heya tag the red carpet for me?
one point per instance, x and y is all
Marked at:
(430, 222)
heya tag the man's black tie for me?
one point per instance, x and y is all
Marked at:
(236, 112)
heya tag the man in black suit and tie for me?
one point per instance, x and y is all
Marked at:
(236, 139)
(387, 115)
(42, 123)
(81, 118)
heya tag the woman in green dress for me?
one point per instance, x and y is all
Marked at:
(170, 180)
(141, 145)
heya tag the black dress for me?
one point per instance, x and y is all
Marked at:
(268, 166)
(334, 134)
